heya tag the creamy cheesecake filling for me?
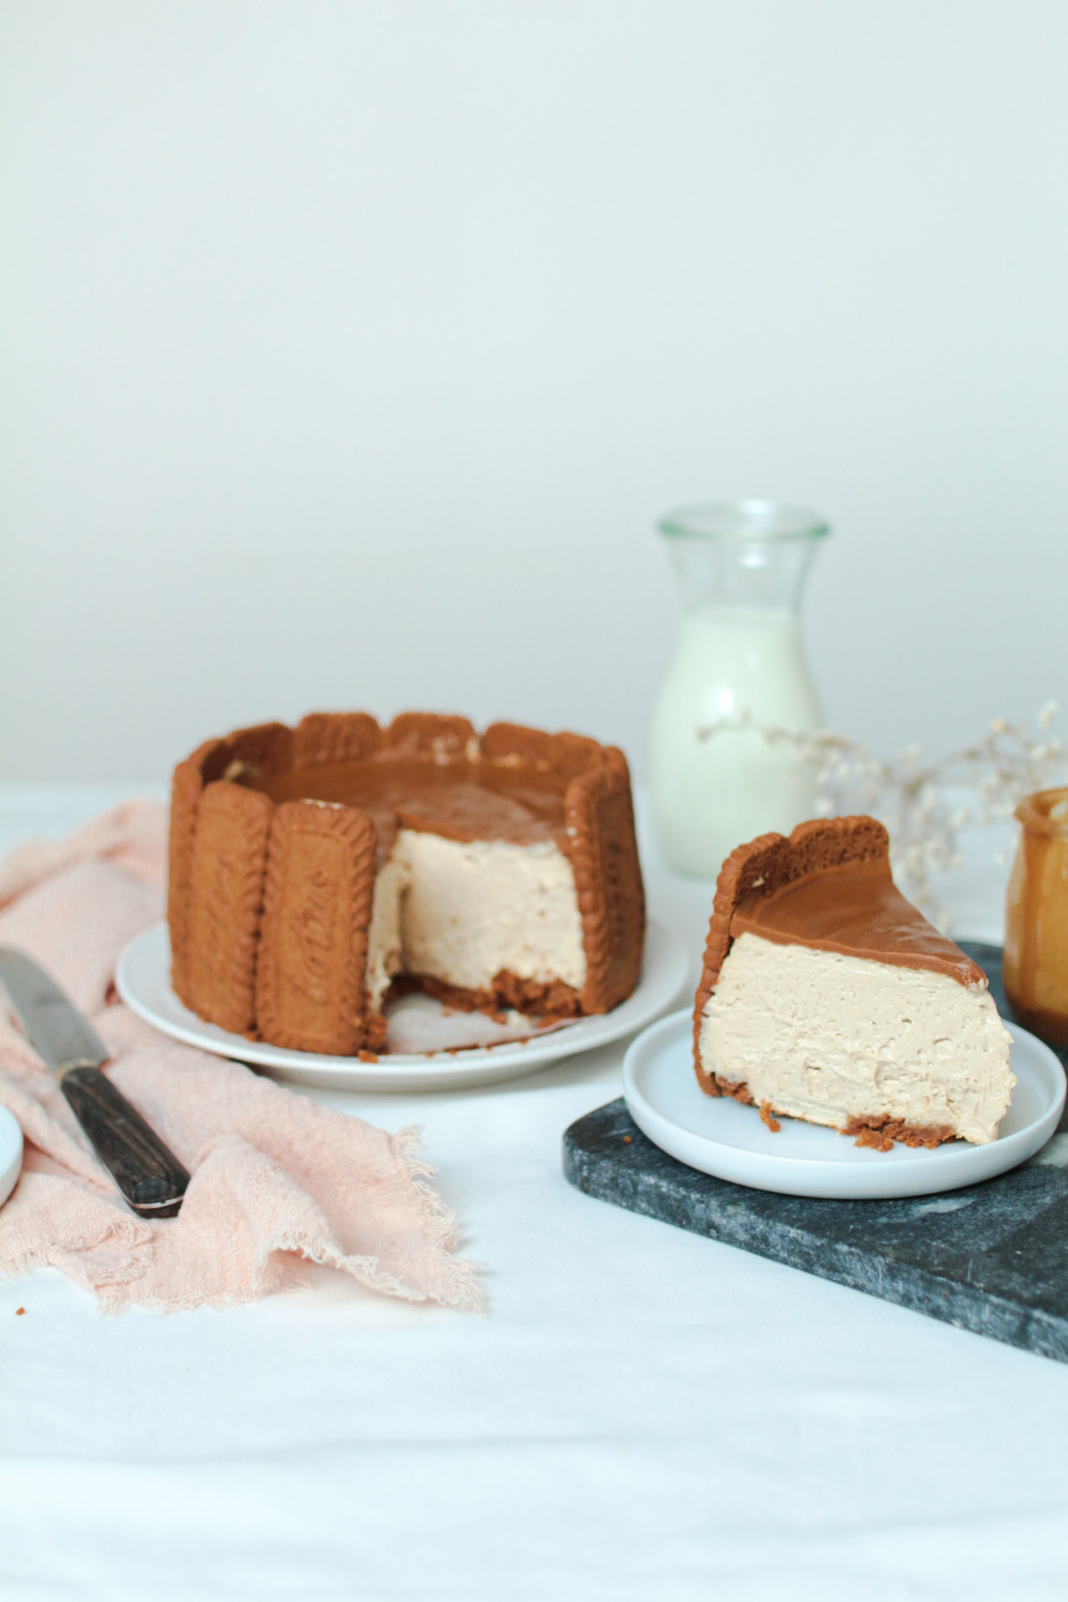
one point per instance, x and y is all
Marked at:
(385, 935)
(833, 1038)
(464, 911)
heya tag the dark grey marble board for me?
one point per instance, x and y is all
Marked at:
(992, 1258)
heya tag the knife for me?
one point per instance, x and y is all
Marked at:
(151, 1178)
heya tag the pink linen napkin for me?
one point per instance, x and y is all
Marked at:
(275, 1176)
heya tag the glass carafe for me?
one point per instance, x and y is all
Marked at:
(740, 661)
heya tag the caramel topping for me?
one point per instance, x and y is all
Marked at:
(462, 800)
(858, 911)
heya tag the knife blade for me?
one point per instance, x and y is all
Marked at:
(148, 1174)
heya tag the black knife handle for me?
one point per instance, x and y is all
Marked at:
(150, 1177)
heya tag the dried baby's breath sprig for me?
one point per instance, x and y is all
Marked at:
(920, 801)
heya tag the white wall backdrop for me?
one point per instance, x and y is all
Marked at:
(349, 352)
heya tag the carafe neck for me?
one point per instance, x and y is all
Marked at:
(745, 556)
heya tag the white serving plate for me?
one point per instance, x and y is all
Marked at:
(723, 1137)
(143, 982)
(10, 1153)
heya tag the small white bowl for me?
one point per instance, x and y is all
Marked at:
(10, 1153)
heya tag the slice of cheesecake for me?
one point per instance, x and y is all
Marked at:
(827, 996)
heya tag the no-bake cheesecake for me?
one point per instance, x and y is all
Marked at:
(827, 996)
(314, 868)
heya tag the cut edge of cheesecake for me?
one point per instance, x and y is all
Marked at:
(769, 863)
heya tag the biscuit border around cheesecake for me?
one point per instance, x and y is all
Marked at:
(767, 864)
(238, 863)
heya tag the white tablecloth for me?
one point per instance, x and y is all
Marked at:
(641, 1414)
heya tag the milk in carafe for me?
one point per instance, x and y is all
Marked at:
(739, 657)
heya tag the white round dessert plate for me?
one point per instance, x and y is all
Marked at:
(143, 981)
(723, 1137)
(10, 1153)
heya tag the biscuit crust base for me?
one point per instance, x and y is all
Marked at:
(550, 1002)
(766, 864)
(509, 993)
(880, 1133)
(269, 905)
